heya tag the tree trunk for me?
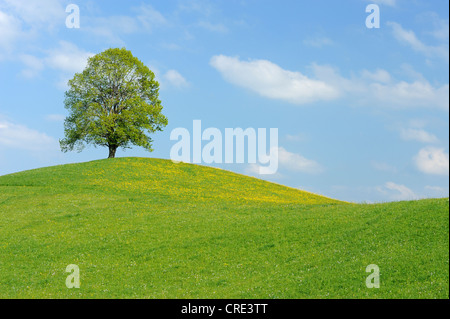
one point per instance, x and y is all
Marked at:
(112, 152)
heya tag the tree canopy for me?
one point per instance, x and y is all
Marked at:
(113, 103)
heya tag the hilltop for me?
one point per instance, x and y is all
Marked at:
(149, 228)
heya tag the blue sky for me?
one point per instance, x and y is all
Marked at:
(362, 113)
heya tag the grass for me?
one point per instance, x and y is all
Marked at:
(149, 228)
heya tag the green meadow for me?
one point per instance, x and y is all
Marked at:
(150, 228)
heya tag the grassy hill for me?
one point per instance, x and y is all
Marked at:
(148, 228)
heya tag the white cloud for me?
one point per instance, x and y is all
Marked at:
(415, 94)
(432, 160)
(150, 18)
(175, 79)
(397, 192)
(418, 135)
(379, 75)
(376, 88)
(331, 76)
(270, 80)
(408, 71)
(67, 58)
(409, 37)
(297, 163)
(291, 162)
(385, 91)
(10, 30)
(111, 28)
(21, 137)
(37, 13)
(22, 21)
(207, 14)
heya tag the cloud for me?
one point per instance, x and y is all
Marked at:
(24, 21)
(68, 58)
(380, 75)
(206, 13)
(376, 88)
(432, 160)
(110, 27)
(21, 137)
(37, 13)
(10, 30)
(150, 17)
(297, 163)
(175, 79)
(271, 81)
(397, 192)
(171, 78)
(418, 135)
(379, 89)
(409, 37)
(145, 19)
(291, 162)
(331, 76)
(415, 94)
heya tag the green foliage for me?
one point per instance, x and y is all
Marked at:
(113, 103)
(147, 228)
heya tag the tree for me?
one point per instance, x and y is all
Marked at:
(113, 103)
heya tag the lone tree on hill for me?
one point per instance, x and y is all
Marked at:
(113, 103)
